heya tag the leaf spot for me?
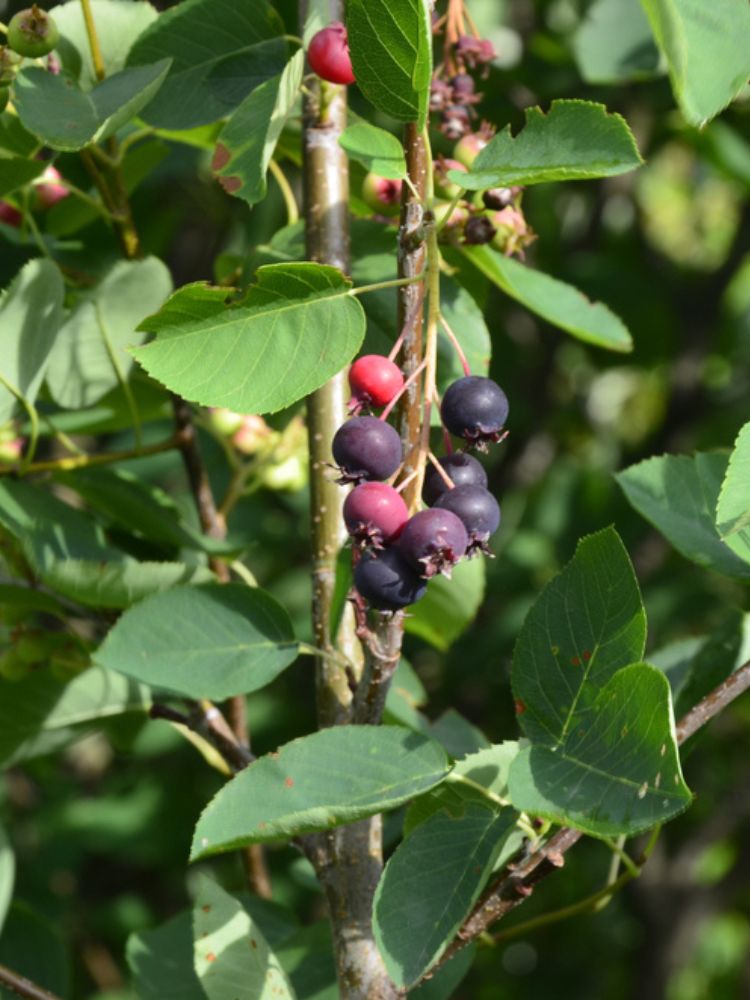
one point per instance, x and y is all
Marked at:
(210, 957)
(288, 782)
(555, 650)
(575, 661)
(231, 184)
(586, 655)
(253, 943)
(519, 706)
(206, 909)
(642, 790)
(663, 749)
(657, 780)
(221, 157)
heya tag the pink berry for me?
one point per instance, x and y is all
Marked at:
(9, 215)
(375, 514)
(328, 54)
(374, 380)
(48, 188)
(382, 194)
(468, 149)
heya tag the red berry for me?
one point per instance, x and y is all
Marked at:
(375, 514)
(382, 194)
(49, 190)
(328, 54)
(10, 215)
(375, 380)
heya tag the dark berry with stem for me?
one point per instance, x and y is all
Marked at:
(462, 469)
(366, 448)
(433, 541)
(375, 514)
(478, 511)
(475, 408)
(478, 230)
(374, 381)
(328, 54)
(387, 581)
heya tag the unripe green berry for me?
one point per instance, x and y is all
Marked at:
(9, 63)
(32, 33)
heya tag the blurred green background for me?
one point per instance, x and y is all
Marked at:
(102, 830)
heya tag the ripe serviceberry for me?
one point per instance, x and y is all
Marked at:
(477, 509)
(387, 581)
(375, 514)
(374, 381)
(462, 469)
(328, 54)
(433, 541)
(475, 408)
(382, 194)
(478, 230)
(32, 32)
(366, 448)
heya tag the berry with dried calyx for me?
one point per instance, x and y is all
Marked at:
(475, 408)
(479, 230)
(375, 514)
(387, 581)
(9, 63)
(461, 469)
(32, 33)
(433, 541)
(382, 194)
(328, 54)
(497, 198)
(374, 380)
(366, 448)
(477, 509)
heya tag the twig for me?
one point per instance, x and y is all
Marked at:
(206, 720)
(69, 463)
(24, 987)
(713, 703)
(383, 651)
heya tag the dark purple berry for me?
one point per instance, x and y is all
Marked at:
(366, 448)
(463, 469)
(478, 510)
(475, 408)
(374, 514)
(498, 198)
(463, 85)
(433, 541)
(478, 230)
(387, 581)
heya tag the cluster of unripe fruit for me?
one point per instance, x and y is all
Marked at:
(399, 553)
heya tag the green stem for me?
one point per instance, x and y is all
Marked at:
(33, 416)
(450, 210)
(96, 52)
(86, 461)
(391, 283)
(126, 389)
(292, 210)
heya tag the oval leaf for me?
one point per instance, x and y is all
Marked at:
(334, 776)
(295, 329)
(375, 149)
(555, 301)
(575, 140)
(391, 47)
(211, 641)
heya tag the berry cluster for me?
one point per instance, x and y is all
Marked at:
(397, 553)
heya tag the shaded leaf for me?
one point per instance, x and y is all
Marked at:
(457, 734)
(733, 507)
(678, 495)
(575, 140)
(231, 955)
(213, 641)
(248, 140)
(220, 51)
(65, 117)
(375, 149)
(449, 606)
(555, 301)
(707, 47)
(294, 329)
(332, 777)
(391, 48)
(16, 172)
(614, 43)
(31, 946)
(30, 316)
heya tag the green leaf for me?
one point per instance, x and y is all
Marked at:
(90, 355)
(248, 140)
(614, 43)
(27, 598)
(707, 47)
(65, 117)
(587, 623)
(468, 323)
(31, 946)
(555, 301)
(42, 712)
(406, 695)
(711, 662)
(294, 329)
(430, 884)
(449, 606)
(212, 641)
(391, 47)
(334, 776)
(220, 51)
(733, 507)
(575, 140)
(7, 875)
(308, 960)
(603, 755)
(16, 172)
(118, 25)
(442, 985)
(15, 140)
(68, 551)
(375, 149)
(457, 734)
(678, 495)
(30, 316)
(616, 770)
(232, 957)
